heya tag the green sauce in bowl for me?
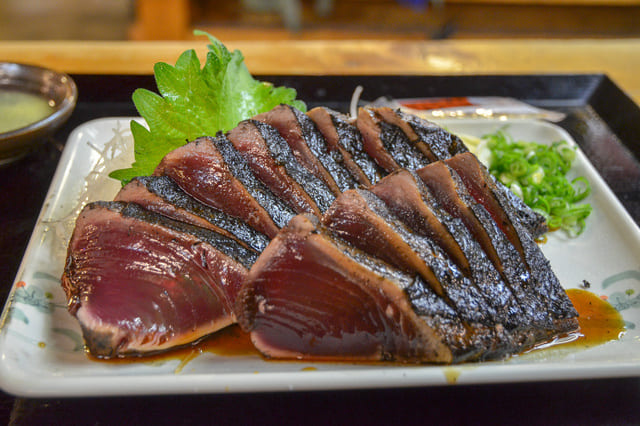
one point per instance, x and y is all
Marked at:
(20, 109)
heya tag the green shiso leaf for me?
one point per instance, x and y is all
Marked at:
(196, 101)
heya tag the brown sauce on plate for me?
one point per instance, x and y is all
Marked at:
(599, 321)
(230, 341)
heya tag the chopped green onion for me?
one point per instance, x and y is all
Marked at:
(537, 174)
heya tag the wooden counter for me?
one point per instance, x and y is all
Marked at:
(619, 59)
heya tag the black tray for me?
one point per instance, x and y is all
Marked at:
(600, 117)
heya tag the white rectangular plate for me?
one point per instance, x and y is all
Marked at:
(41, 347)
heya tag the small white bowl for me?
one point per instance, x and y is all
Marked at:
(58, 89)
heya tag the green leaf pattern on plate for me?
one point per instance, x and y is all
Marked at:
(42, 301)
(628, 298)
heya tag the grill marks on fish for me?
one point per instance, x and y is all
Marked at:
(139, 282)
(162, 195)
(343, 137)
(411, 201)
(201, 170)
(496, 198)
(541, 297)
(441, 143)
(273, 162)
(309, 146)
(400, 141)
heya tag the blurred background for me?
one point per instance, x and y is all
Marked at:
(317, 19)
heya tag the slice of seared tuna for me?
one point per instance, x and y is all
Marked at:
(405, 197)
(496, 198)
(399, 139)
(342, 136)
(441, 143)
(311, 296)
(408, 198)
(362, 219)
(139, 282)
(273, 162)
(373, 145)
(210, 170)
(534, 284)
(162, 195)
(520, 224)
(309, 146)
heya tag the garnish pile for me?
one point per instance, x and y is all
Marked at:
(537, 173)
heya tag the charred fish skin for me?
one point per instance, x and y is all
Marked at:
(278, 176)
(536, 264)
(404, 152)
(201, 171)
(308, 146)
(361, 219)
(162, 195)
(494, 326)
(398, 137)
(373, 145)
(486, 278)
(412, 203)
(442, 143)
(226, 245)
(358, 210)
(351, 140)
(137, 286)
(540, 267)
(467, 341)
(448, 190)
(307, 298)
(342, 136)
(330, 160)
(279, 211)
(409, 200)
(281, 152)
(537, 303)
(395, 119)
(496, 197)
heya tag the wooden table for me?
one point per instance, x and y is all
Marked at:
(387, 19)
(619, 59)
(588, 401)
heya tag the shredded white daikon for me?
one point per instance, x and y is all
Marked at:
(96, 185)
(355, 98)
